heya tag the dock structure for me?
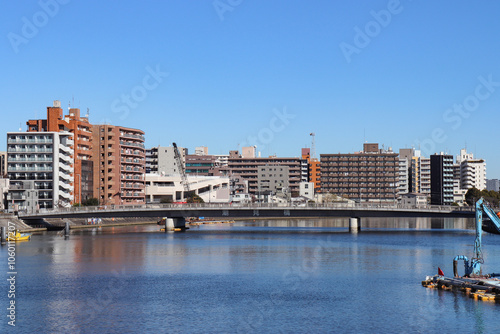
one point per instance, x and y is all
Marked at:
(485, 288)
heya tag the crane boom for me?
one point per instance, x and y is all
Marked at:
(474, 269)
(181, 168)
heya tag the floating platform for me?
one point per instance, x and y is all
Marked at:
(485, 288)
(211, 222)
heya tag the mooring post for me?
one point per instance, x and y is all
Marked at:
(3, 234)
(354, 225)
(66, 229)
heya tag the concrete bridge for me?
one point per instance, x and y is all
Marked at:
(176, 213)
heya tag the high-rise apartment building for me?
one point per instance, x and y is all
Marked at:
(200, 165)
(161, 160)
(82, 135)
(472, 171)
(370, 175)
(403, 177)
(420, 174)
(273, 180)
(314, 169)
(3, 164)
(404, 182)
(247, 169)
(119, 165)
(441, 179)
(40, 166)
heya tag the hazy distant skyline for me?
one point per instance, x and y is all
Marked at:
(226, 74)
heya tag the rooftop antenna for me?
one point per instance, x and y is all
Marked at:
(313, 145)
(20, 127)
(88, 113)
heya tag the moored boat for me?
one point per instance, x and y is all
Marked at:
(18, 236)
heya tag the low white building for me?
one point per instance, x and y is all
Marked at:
(169, 188)
(459, 196)
(414, 200)
(243, 198)
(306, 189)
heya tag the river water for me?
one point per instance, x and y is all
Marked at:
(290, 276)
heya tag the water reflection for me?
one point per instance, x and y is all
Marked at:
(296, 275)
(367, 223)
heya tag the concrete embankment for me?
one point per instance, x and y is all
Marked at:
(82, 223)
(5, 219)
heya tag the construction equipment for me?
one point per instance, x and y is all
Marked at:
(181, 169)
(491, 225)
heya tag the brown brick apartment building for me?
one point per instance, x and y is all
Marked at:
(82, 136)
(119, 165)
(109, 161)
(370, 175)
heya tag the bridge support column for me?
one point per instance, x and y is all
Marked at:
(354, 225)
(66, 229)
(171, 224)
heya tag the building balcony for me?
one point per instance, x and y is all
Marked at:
(29, 169)
(37, 159)
(131, 144)
(132, 136)
(29, 150)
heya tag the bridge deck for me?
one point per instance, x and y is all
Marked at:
(253, 210)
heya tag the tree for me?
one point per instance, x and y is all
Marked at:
(193, 198)
(472, 195)
(490, 196)
(91, 202)
(165, 200)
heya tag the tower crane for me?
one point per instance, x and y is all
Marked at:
(178, 159)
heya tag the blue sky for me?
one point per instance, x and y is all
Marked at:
(228, 73)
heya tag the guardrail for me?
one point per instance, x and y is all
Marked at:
(253, 206)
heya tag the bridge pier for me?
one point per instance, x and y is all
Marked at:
(174, 223)
(354, 225)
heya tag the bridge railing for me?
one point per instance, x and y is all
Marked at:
(306, 206)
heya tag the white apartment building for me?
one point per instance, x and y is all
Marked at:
(473, 174)
(40, 169)
(472, 171)
(403, 186)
